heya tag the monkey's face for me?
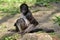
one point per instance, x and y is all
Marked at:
(24, 9)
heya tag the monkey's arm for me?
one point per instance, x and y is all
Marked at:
(31, 19)
(30, 28)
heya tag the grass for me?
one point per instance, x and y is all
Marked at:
(9, 7)
(12, 6)
(11, 37)
(57, 20)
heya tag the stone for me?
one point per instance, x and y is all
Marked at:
(36, 36)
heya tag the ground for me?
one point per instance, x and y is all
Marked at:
(44, 16)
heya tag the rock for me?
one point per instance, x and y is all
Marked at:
(35, 36)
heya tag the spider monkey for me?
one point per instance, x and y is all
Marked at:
(27, 22)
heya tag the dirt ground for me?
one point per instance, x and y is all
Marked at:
(44, 16)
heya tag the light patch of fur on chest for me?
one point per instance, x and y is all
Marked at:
(27, 22)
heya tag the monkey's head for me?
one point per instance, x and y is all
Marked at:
(24, 8)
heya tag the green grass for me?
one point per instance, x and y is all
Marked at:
(12, 6)
(11, 37)
(46, 2)
(57, 20)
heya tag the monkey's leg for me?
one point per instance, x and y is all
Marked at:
(17, 29)
(30, 28)
(20, 30)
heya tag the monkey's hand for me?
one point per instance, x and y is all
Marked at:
(30, 28)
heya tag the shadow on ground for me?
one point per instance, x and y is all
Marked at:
(6, 18)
